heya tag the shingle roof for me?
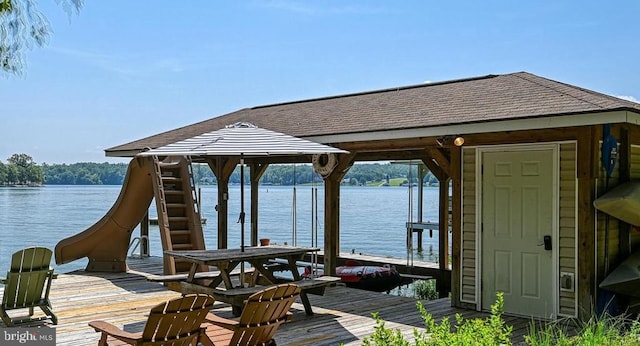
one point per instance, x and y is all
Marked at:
(483, 99)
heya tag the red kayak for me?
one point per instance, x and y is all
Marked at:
(372, 278)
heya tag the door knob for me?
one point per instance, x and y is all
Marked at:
(547, 242)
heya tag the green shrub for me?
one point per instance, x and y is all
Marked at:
(606, 330)
(425, 289)
(489, 331)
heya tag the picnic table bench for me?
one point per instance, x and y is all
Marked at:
(238, 295)
(226, 260)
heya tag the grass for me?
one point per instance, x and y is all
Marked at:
(605, 330)
(492, 330)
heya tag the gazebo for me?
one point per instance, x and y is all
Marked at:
(522, 184)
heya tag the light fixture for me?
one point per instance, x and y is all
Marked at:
(449, 140)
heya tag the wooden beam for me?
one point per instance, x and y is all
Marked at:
(332, 212)
(524, 136)
(456, 224)
(391, 155)
(587, 158)
(435, 169)
(222, 168)
(256, 171)
(441, 156)
(390, 144)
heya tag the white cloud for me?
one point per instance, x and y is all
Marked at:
(628, 98)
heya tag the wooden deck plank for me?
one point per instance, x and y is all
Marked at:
(342, 315)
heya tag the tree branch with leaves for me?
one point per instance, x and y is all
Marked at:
(23, 26)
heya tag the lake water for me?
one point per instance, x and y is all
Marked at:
(372, 219)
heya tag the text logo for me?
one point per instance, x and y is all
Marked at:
(28, 336)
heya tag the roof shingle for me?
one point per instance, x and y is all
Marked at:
(482, 99)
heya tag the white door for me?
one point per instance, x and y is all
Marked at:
(517, 203)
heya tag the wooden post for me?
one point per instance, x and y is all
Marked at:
(456, 223)
(443, 225)
(331, 224)
(332, 213)
(443, 165)
(256, 170)
(587, 158)
(222, 168)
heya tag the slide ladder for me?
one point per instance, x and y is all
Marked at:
(179, 219)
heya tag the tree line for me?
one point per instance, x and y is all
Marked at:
(20, 169)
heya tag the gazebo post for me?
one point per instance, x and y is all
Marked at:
(331, 223)
(256, 171)
(222, 169)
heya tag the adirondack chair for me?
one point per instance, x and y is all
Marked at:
(27, 285)
(176, 322)
(262, 314)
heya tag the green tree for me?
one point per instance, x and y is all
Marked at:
(13, 174)
(3, 173)
(21, 160)
(23, 170)
(23, 25)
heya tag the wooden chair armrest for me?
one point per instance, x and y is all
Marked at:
(221, 321)
(110, 329)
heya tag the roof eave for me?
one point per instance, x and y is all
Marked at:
(622, 115)
(531, 123)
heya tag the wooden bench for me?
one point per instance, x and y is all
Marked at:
(276, 263)
(181, 277)
(237, 296)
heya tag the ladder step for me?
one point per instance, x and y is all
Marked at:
(178, 218)
(182, 246)
(176, 205)
(180, 232)
(169, 165)
(173, 192)
(171, 179)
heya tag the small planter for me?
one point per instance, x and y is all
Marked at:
(264, 241)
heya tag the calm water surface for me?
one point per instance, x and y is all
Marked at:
(372, 219)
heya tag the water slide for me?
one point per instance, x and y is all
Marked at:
(107, 241)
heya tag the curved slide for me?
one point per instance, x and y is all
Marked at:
(107, 241)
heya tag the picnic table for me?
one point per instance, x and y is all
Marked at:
(260, 259)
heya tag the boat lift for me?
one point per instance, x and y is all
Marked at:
(417, 226)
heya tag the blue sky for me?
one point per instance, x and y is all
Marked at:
(124, 70)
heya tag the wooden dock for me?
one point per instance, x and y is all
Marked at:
(342, 315)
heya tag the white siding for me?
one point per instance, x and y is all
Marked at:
(468, 270)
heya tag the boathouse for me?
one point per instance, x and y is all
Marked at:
(521, 155)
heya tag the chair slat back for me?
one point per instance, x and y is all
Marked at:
(177, 322)
(26, 289)
(29, 259)
(263, 313)
(26, 278)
